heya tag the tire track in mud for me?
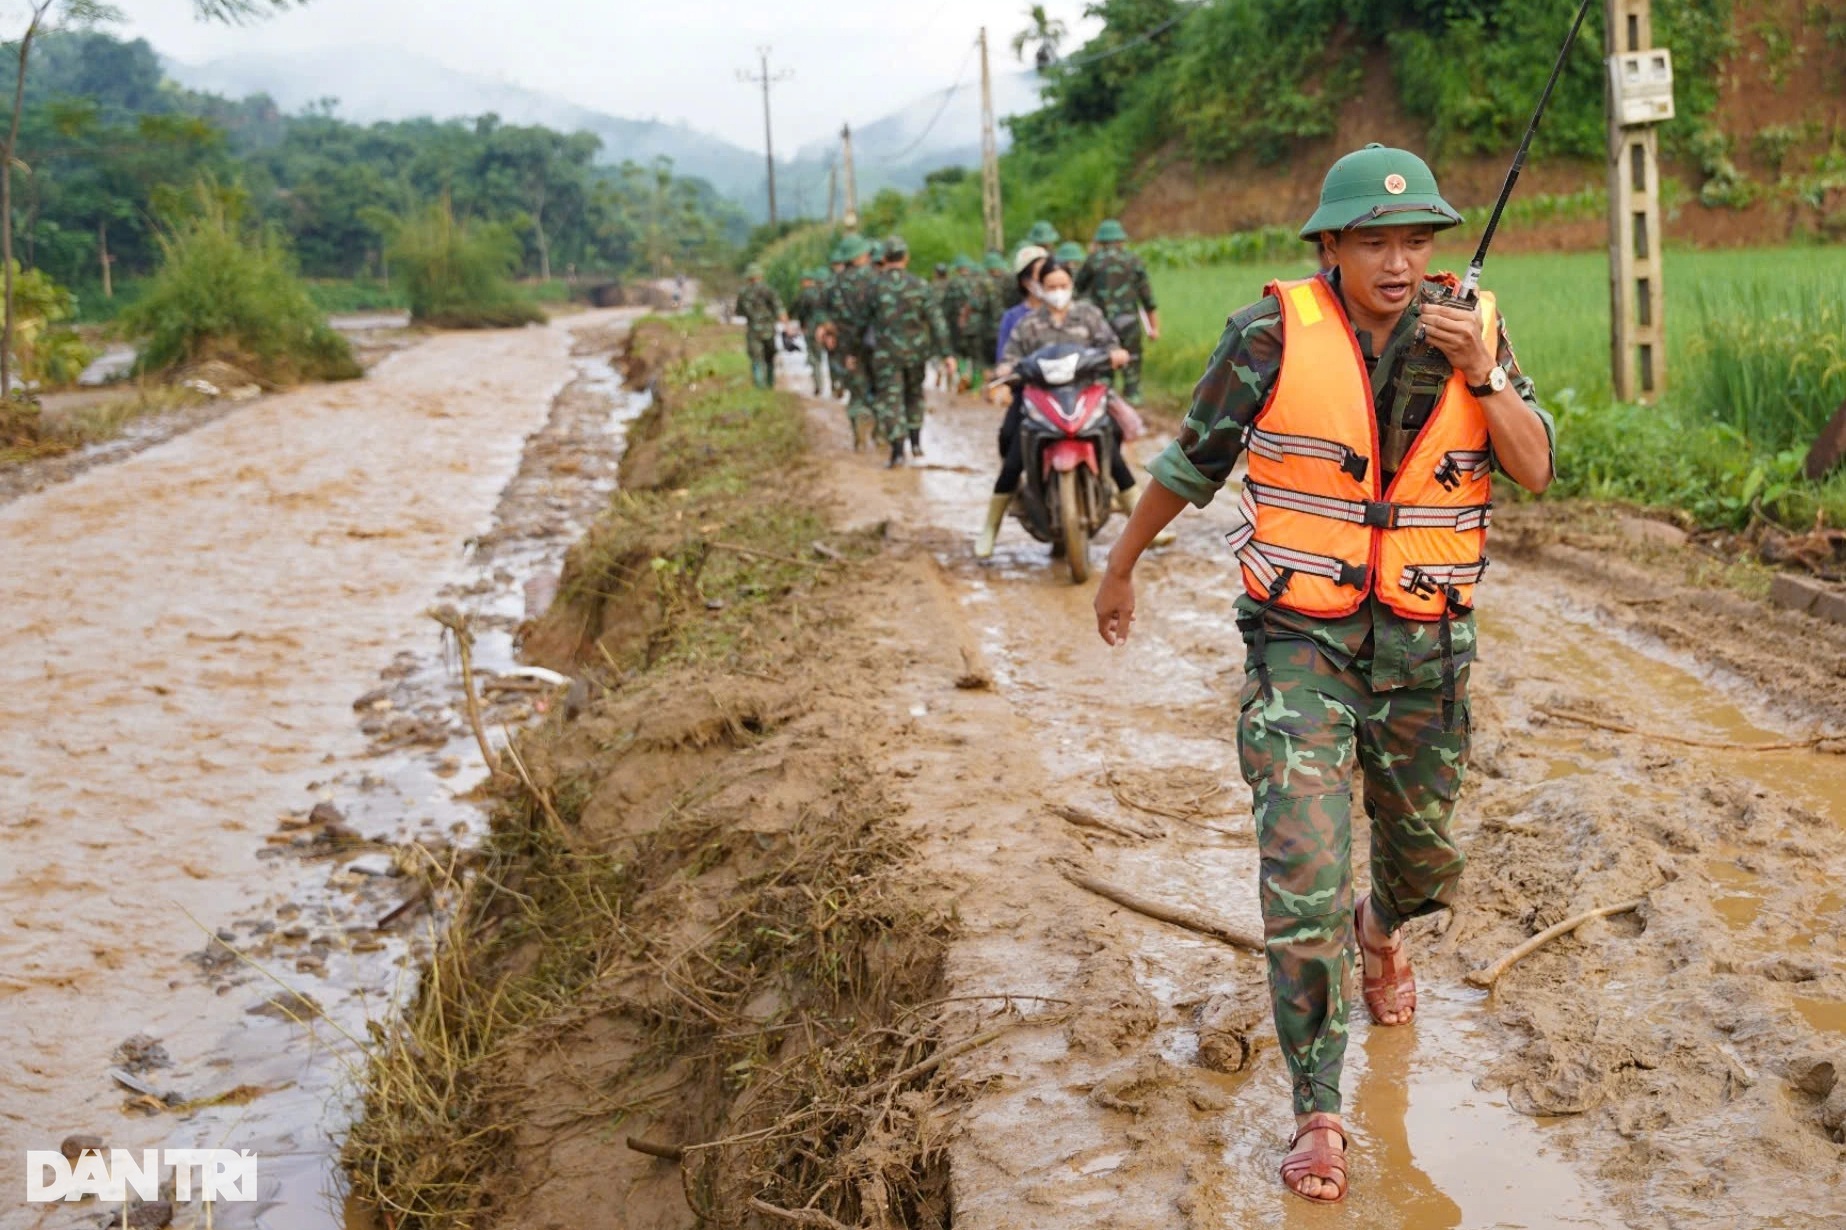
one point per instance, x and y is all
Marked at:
(1667, 1069)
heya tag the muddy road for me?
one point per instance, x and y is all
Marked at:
(1667, 1068)
(183, 637)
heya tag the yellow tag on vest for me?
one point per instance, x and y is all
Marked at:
(1307, 307)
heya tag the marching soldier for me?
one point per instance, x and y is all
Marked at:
(1115, 280)
(844, 333)
(810, 310)
(1373, 418)
(764, 317)
(907, 331)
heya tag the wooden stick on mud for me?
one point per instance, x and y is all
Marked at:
(799, 1217)
(457, 624)
(1177, 916)
(715, 545)
(1834, 744)
(667, 1153)
(1489, 975)
(1084, 818)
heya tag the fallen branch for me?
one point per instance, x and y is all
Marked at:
(1083, 818)
(457, 624)
(1192, 812)
(1177, 916)
(799, 1217)
(1834, 744)
(955, 1051)
(1489, 975)
(543, 799)
(668, 1153)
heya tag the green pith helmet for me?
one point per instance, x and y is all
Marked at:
(1379, 186)
(994, 263)
(1111, 232)
(895, 249)
(965, 263)
(1043, 235)
(877, 248)
(815, 275)
(753, 271)
(1070, 252)
(842, 251)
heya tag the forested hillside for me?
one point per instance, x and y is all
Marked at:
(108, 148)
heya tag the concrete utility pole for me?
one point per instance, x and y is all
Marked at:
(765, 79)
(991, 220)
(833, 191)
(851, 217)
(1640, 92)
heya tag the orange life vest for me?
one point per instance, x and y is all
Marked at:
(1319, 533)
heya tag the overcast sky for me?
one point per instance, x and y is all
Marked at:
(666, 59)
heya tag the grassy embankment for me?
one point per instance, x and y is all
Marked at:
(1756, 354)
(687, 925)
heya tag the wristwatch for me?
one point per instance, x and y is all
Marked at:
(1496, 380)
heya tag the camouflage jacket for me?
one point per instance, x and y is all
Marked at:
(810, 306)
(848, 305)
(1393, 651)
(760, 307)
(1083, 326)
(1115, 280)
(905, 320)
(960, 300)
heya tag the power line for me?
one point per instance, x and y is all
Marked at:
(1136, 41)
(961, 79)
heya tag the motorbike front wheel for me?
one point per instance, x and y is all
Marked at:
(1075, 525)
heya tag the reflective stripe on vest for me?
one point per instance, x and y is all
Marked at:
(1315, 520)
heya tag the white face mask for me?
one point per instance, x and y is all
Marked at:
(1059, 298)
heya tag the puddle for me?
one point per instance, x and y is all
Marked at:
(201, 619)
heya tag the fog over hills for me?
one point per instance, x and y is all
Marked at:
(387, 83)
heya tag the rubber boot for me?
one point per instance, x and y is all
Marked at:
(1125, 501)
(996, 513)
(897, 454)
(916, 443)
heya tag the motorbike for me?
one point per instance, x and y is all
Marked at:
(1068, 439)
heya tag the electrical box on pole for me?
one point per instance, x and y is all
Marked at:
(991, 220)
(1640, 93)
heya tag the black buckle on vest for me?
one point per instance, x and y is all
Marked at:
(1356, 466)
(1380, 515)
(1448, 474)
(1353, 576)
(1422, 584)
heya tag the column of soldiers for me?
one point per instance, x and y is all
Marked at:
(874, 326)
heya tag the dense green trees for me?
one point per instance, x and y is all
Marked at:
(108, 150)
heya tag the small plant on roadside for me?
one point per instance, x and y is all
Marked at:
(455, 273)
(227, 291)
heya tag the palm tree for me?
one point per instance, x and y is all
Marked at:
(1046, 31)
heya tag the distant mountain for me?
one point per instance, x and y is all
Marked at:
(387, 83)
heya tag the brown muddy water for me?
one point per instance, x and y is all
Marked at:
(185, 636)
(1108, 1114)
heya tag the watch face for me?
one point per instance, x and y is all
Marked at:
(1497, 378)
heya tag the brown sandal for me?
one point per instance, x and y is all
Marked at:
(1396, 986)
(1317, 1161)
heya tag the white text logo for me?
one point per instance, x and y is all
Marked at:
(219, 1174)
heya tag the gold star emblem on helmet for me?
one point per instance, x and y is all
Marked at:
(1394, 184)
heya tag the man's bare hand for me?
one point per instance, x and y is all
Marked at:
(1456, 332)
(1119, 357)
(1115, 607)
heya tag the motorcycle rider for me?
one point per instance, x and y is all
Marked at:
(1055, 319)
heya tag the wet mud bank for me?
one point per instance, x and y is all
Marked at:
(694, 971)
(1673, 1065)
(226, 832)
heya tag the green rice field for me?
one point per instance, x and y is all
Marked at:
(1756, 365)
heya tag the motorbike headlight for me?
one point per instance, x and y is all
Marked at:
(1061, 370)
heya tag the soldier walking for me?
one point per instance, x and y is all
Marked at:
(843, 334)
(1115, 280)
(810, 310)
(907, 330)
(764, 317)
(1372, 419)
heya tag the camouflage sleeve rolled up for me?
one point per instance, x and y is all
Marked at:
(1235, 386)
(942, 342)
(1144, 285)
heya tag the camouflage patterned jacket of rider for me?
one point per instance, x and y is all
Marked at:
(1083, 326)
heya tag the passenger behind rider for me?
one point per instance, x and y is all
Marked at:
(1047, 316)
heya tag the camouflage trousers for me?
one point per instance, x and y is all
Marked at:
(817, 357)
(1131, 373)
(897, 395)
(1300, 748)
(762, 351)
(856, 379)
